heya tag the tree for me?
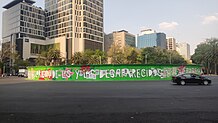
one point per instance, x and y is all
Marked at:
(156, 55)
(54, 56)
(115, 54)
(89, 57)
(206, 54)
(8, 57)
(76, 59)
(51, 57)
(131, 55)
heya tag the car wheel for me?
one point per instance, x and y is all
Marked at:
(206, 82)
(182, 82)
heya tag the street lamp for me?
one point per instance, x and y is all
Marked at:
(100, 59)
(170, 58)
(146, 59)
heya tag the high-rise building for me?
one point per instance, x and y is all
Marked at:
(23, 21)
(184, 50)
(150, 38)
(120, 38)
(80, 21)
(171, 43)
(71, 25)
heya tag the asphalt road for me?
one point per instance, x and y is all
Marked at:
(107, 102)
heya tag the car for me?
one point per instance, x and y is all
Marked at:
(183, 79)
(22, 75)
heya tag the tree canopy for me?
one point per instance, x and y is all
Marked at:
(206, 54)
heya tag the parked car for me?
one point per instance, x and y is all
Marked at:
(183, 79)
(23, 73)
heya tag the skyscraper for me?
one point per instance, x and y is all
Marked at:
(150, 38)
(184, 50)
(23, 21)
(171, 43)
(72, 25)
(80, 21)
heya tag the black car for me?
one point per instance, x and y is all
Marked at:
(182, 79)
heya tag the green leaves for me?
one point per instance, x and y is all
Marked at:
(51, 57)
(207, 54)
(156, 55)
(89, 57)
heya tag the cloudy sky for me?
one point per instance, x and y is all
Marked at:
(190, 21)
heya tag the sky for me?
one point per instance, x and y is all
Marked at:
(190, 21)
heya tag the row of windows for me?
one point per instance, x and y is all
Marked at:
(32, 9)
(31, 25)
(88, 36)
(69, 6)
(93, 21)
(63, 2)
(32, 20)
(94, 27)
(91, 15)
(58, 26)
(93, 45)
(66, 7)
(91, 10)
(32, 15)
(38, 49)
(89, 31)
(56, 32)
(32, 31)
(91, 2)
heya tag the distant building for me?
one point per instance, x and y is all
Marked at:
(150, 38)
(171, 43)
(121, 38)
(184, 50)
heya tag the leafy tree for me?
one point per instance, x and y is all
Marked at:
(206, 54)
(54, 56)
(6, 52)
(8, 55)
(156, 55)
(116, 55)
(76, 59)
(50, 57)
(89, 57)
(42, 60)
(131, 55)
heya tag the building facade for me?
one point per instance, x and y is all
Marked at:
(120, 38)
(80, 21)
(150, 38)
(74, 25)
(22, 22)
(184, 50)
(171, 43)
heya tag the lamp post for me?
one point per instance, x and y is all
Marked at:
(146, 59)
(170, 58)
(216, 56)
(100, 59)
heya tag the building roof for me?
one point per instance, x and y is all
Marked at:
(15, 2)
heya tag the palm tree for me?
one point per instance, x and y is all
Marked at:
(50, 57)
(54, 56)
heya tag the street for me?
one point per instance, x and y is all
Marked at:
(23, 101)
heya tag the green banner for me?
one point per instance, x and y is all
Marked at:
(109, 72)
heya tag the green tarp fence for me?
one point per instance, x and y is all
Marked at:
(109, 72)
